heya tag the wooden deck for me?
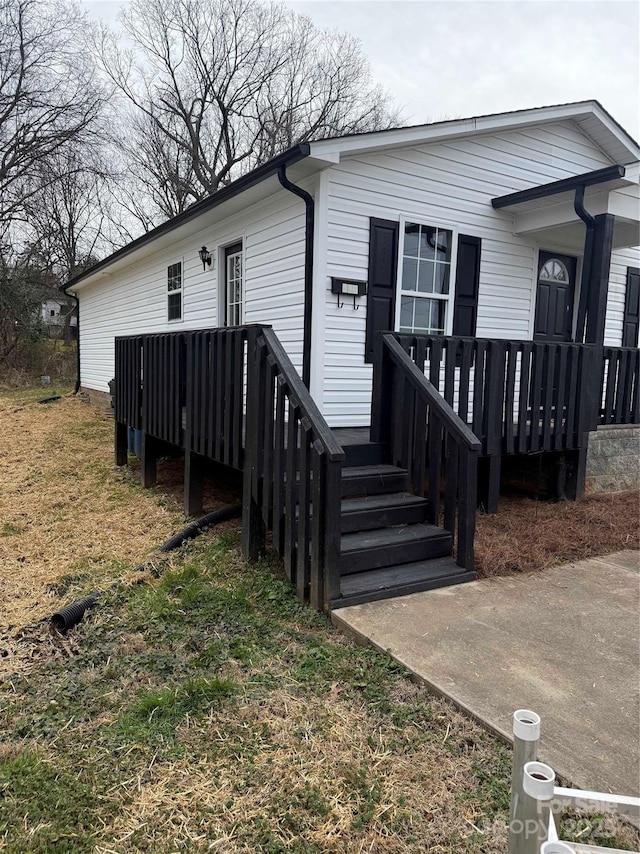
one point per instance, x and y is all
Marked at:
(364, 513)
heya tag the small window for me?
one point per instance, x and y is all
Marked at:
(554, 271)
(425, 279)
(52, 312)
(174, 291)
(234, 291)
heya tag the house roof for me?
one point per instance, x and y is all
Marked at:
(590, 116)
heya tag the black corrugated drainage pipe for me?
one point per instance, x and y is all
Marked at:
(233, 511)
(69, 616)
(308, 269)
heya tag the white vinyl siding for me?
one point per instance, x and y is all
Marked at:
(134, 301)
(620, 260)
(450, 184)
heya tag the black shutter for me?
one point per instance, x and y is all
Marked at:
(465, 309)
(383, 270)
(631, 308)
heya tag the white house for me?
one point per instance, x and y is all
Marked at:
(501, 252)
(53, 312)
(492, 226)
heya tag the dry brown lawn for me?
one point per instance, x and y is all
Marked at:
(65, 510)
(204, 710)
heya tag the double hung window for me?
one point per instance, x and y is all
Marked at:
(425, 279)
(174, 291)
(233, 285)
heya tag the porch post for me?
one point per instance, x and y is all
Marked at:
(148, 457)
(120, 450)
(602, 246)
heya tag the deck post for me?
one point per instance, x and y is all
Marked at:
(381, 392)
(489, 483)
(253, 528)
(576, 474)
(120, 443)
(148, 468)
(193, 483)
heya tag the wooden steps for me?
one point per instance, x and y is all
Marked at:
(372, 480)
(400, 580)
(378, 511)
(390, 546)
(387, 547)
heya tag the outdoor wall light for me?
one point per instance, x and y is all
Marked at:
(205, 257)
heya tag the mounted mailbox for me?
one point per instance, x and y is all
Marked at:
(348, 287)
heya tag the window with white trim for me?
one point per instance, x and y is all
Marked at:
(233, 290)
(425, 279)
(174, 291)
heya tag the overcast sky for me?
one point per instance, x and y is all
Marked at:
(456, 58)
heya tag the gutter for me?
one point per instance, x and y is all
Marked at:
(77, 386)
(589, 221)
(308, 268)
(256, 176)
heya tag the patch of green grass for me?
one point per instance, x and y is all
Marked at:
(9, 530)
(47, 803)
(155, 714)
(32, 394)
(217, 669)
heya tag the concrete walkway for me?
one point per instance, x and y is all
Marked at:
(565, 643)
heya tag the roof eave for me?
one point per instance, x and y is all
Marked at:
(586, 179)
(261, 173)
(577, 111)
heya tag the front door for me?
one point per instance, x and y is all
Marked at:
(554, 303)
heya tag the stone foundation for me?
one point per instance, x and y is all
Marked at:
(101, 399)
(613, 459)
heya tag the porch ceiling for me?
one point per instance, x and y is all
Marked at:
(552, 219)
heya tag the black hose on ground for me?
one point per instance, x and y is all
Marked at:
(233, 511)
(49, 399)
(69, 616)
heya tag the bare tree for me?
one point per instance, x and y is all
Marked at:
(20, 300)
(220, 86)
(49, 94)
(70, 217)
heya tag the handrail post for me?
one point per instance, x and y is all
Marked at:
(332, 531)
(381, 392)
(467, 506)
(253, 531)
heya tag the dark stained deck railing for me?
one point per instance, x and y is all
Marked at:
(620, 400)
(293, 472)
(216, 362)
(429, 439)
(185, 388)
(233, 396)
(517, 396)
